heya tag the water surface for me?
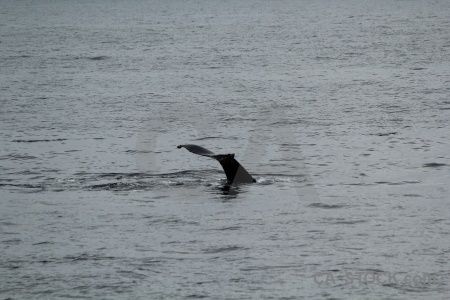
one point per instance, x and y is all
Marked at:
(339, 110)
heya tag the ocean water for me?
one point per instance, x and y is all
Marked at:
(339, 109)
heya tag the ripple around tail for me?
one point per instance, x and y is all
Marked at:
(110, 182)
(133, 181)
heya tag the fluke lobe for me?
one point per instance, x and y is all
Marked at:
(233, 169)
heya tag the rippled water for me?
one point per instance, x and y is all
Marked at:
(340, 110)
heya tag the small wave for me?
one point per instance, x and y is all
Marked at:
(115, 175)
(139, 151)
(397, 183)
(350, 222)
(18, 157)
(86, 256)
(43, 243)
(433, 165)
(12, 241)
(384, 133)
(412, 195)
(36, 141)
(26, 187)
(100, 57)
(171, 221)
(326, 206)
(196, 296)
(19, 56)
(228, 228)
(207, 138)
(149, 175)
(214, 250)
(111, 186)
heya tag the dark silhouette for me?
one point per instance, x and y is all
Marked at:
(234, 171)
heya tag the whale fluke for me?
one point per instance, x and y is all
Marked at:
(233, 170)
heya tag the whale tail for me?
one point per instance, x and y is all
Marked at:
(233, 170)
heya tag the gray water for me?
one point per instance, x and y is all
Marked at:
(339, 109)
